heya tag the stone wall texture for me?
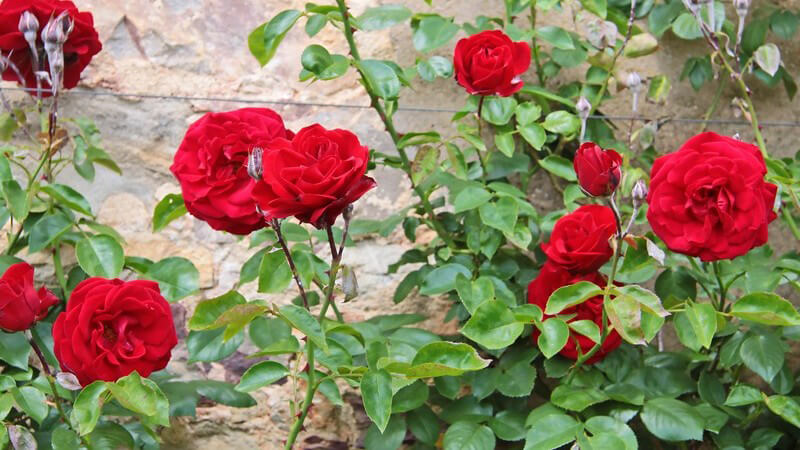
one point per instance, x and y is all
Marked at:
(198, 48)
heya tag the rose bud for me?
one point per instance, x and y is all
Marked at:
(29, 26)
(598, 170)
(21, 305)
(639, 192)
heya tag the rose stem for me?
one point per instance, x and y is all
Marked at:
(484, 172)
(534, 45)
(49, 376)
(313, 385)
(389, 124)
(276, 225)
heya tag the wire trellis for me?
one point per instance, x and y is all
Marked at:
(150, 96)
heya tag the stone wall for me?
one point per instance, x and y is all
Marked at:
(198, 48)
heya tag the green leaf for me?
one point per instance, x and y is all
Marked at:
(754, 35)
(141, 396)
(14, 349)
(260, 375)
(69, 197)
(225, 394)
(662, 15)
(264, 40)
(381, 78)
(553, 338)
(766, 308)
(561, 122)
(435, 66)
(443, 279)
(659, 88)
(587, 328)
(470, 197)
(317, 61)
(100, 256)
(168, 209)
(433, 32)
(528, 112)
(210, 345)
(550, 431)
(508, 425)
(559, 166)
(111, 436)
(423, 424)
(177, 277)
(786, 407)
(571, 295)
(763, 354)
(32, 401)
(301, 319)
(410, 397)
(672, 420)
(597, 7)
(598, 425)
(498, 110)
(47, 230)
(493, 326)
(86, 410)
(505, 143)
(534, 134)
(743, 394)
(468, 436)
(644, 297)
(16, 199)
(376, 392)
(315, 23)
(576, 398)
(474, 293)
(207, 311)
(274, 273)
(784, 24)
(768, 57)
(438, 359)
(501, 215)
(384, 16)
(686, 27)
(711, 389)
(556, 36)
(391, 438)
(703, 318)
(64, 439)
(625, 315)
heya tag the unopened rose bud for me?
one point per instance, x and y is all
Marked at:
(583, 107)
(29, 26)
(347, 213)
(254, 164)
(634, 83)
(639, 192)
(598, 170)
(741, 7)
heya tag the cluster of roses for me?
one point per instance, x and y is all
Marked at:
(110, 327)
(241, 169)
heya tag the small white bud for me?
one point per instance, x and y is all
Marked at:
(583, 107)
(254, 164)
(741, 7)
(639, 192)
(634, 82)
(28, 26)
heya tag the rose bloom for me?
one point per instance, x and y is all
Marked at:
(598, 170)
(552, 277)
(211, 166)
(81, 45)
(113, 327)
(579, 241)
(21, 305)
(709, 199)
(490, 63)
(313, 176)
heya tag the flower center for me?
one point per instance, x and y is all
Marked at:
(710, 201)
(109, 334)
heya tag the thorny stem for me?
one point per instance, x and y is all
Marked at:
(389, 124)
(723, 290)
(713, 107)
(276, 225)
(535, 46)
(313, 385)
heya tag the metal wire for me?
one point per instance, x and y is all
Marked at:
(660, 120)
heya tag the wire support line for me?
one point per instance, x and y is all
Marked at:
(659, 120)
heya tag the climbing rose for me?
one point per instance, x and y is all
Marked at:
(79, 49)
(579, 241)
(489, 63)
(598, 170)
(21, 305)
(709, 199)
(113, 327)
(313, 176)
(552, 277)
(211, 166)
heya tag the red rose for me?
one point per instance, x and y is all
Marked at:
(579, 241)
(489, 63)
(21, 305)
(313, 176)
(709, 198)
(81, 45)
(113, 327)
(552, 277)
(211, 166)
(598, 170)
